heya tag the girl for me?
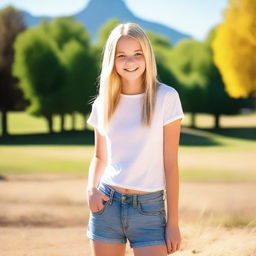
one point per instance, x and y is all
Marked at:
(137, 128)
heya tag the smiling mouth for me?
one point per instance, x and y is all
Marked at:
(130, 70)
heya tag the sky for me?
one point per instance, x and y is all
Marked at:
(195, 17)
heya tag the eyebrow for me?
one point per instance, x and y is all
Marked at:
(134, 51)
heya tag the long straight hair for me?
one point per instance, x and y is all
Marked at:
(110, 81)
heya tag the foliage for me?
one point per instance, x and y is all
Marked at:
(235, 46)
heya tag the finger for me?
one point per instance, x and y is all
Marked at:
(172, 247)
(106, 198)
(95, 210)
(169, 247)
(99, 207)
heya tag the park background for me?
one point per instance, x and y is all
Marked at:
(49, 66)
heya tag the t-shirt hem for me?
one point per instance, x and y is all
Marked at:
(174, 118)
(132, 187)
(92, 124)
(95, 126)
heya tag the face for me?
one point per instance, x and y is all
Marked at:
(129, 59)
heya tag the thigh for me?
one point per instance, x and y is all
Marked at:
(107, 249)
(152, 250)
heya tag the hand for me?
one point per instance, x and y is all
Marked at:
(173, 238)
(95, 199)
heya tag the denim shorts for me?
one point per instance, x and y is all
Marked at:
(140, 218)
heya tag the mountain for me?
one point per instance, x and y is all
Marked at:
(98, 12)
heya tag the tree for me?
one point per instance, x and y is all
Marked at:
(81, 72)
(105, 31)
(218, 100)
(235, 46)
(40, 72)
(77, 56)
(11, 98)
(161, 47)
(189, 62)
(98, 48)
(56, 68)
(158, 41)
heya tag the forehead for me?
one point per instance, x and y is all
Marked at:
(127, 44)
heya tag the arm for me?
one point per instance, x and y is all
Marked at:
(171, 144)
(97, 166)
(98, 161)
(95, 172)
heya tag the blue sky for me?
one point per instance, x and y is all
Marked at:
(193, 17)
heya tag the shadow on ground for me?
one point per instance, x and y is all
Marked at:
(189, 137)
(236, 133)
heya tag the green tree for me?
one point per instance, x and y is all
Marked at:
(11, 98)
(105, 31)
(73, 43)
(81, 72)
(98, 48)
(161, 47)
(40, 72)
(218, 100)
(56, 68)
(189, 62)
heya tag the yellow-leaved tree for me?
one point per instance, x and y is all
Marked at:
(234, 48)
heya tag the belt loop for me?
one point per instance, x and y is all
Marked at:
(135, 201)
(111, 196)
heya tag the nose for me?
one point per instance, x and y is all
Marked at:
(129, 59)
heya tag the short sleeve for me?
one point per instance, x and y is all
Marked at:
(93, 117)
(172, 107)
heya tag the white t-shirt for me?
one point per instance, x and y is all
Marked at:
(135, 152)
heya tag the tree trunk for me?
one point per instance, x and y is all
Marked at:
(193, 120)
(4, 123)
(85, 119)
(62, 122)
(216, 121)
(49, 123)
(73, 115)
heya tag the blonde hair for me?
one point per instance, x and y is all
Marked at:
(110, 82)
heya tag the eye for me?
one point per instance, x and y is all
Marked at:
(138, 53)
(120, 56)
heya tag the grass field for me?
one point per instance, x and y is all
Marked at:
(204, 154)
(43, 188)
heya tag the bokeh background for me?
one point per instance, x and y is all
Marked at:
(50, 53)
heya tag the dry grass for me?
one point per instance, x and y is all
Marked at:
(47, 215)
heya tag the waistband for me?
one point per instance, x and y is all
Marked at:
(129, 198)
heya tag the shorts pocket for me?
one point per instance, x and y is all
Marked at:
(105, 203)
(151, 207)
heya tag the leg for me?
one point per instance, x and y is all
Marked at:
(152, 250)
(107, 249)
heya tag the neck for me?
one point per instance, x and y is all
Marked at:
(132, 87)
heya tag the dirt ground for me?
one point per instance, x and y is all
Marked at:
(47, 214)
